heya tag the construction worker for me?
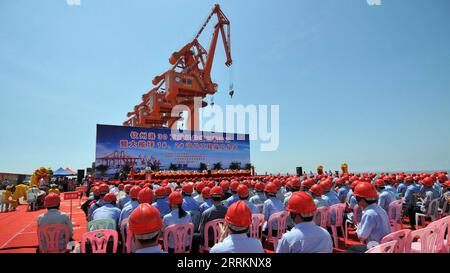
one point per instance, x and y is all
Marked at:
(385, 197)
(305, 236)
(225, 185)
(234, 197)
(374, 222)
(162, 202)
(104, 189)
(207, 202)
(198, 189)
(259, 198)
(281, 191)
(438, 185)
(126, 197)
(94, 196)
(177, 215)
(316, 193)
(271, 205)
(243, 194)
(430, 193)
(388, 187)
(54, 216)
(307, 184)
(329, 195)
(343, 191)
(131, 205)
(216, 211)
(234, 237)
(145, 223)
(401, 187)
(189, 204)
(109, 210)
(445, 197)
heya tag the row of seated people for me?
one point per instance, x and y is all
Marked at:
(273, 197)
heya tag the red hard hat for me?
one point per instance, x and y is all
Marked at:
(259, 186)
(187, 188)
(216, 191)
(206, 192)
(277, 183)
(199, 186)
(271, 188)
(242, 191)
(121, 186)
(295, 183)
(160, 191)
(354, 183)
(301, 203)
(308, 183)
(224, 185)
(446, 184)
(234, 185)
(104, 189)
(239, 214)
(211, 184)
(175, 198)
(167, 189)
(428, 181)
(96, 191)
(110, 197)
(146, 195)
(52, 200)
(127, 188)
(316, 189)
(379, 183)
(365, 190)
(134, 192)
(145, 219)
(326, 185)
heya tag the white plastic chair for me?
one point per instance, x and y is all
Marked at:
(432, 212)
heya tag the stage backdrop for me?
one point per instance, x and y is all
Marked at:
(118, 146)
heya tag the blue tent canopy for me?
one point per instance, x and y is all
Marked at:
(62, 172)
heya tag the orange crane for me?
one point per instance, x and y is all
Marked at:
(189, 78)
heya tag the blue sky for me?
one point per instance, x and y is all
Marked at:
(366, 85)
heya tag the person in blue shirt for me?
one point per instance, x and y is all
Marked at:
(126, 198)
(131, 205)
(243, 193)
(316, 193)
(374, 222)
(234, 197)
(234, 238)
(207, 202)
(146, 224)
(343, 191)
(385, 197)
(271, 205)
(401, 187)
(329, 195)
(412, 199)
(176, 216)
(259, 197)
(108, 210)
(388, 186)
(104, 189)
(162, 202)
(189, 204)
(305, 236)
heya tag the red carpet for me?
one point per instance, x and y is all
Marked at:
(19, 228)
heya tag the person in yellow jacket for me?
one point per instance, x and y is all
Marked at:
(53, 189)
(8, 198)
(21, 191)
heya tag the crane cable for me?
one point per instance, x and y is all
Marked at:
(231, 88)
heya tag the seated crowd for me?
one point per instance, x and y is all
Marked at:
(148, 208)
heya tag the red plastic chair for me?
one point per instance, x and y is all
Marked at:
(280, 218)
(255, 228)
(338, 211)
(383, 248)
(321, 216)
(124, 233)
(130, 247)
(215, 225)
(395, 208)
(182, 237)
(99, 240)
(426, 240)
(50, 236)
(403, 238)
(441, 227)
